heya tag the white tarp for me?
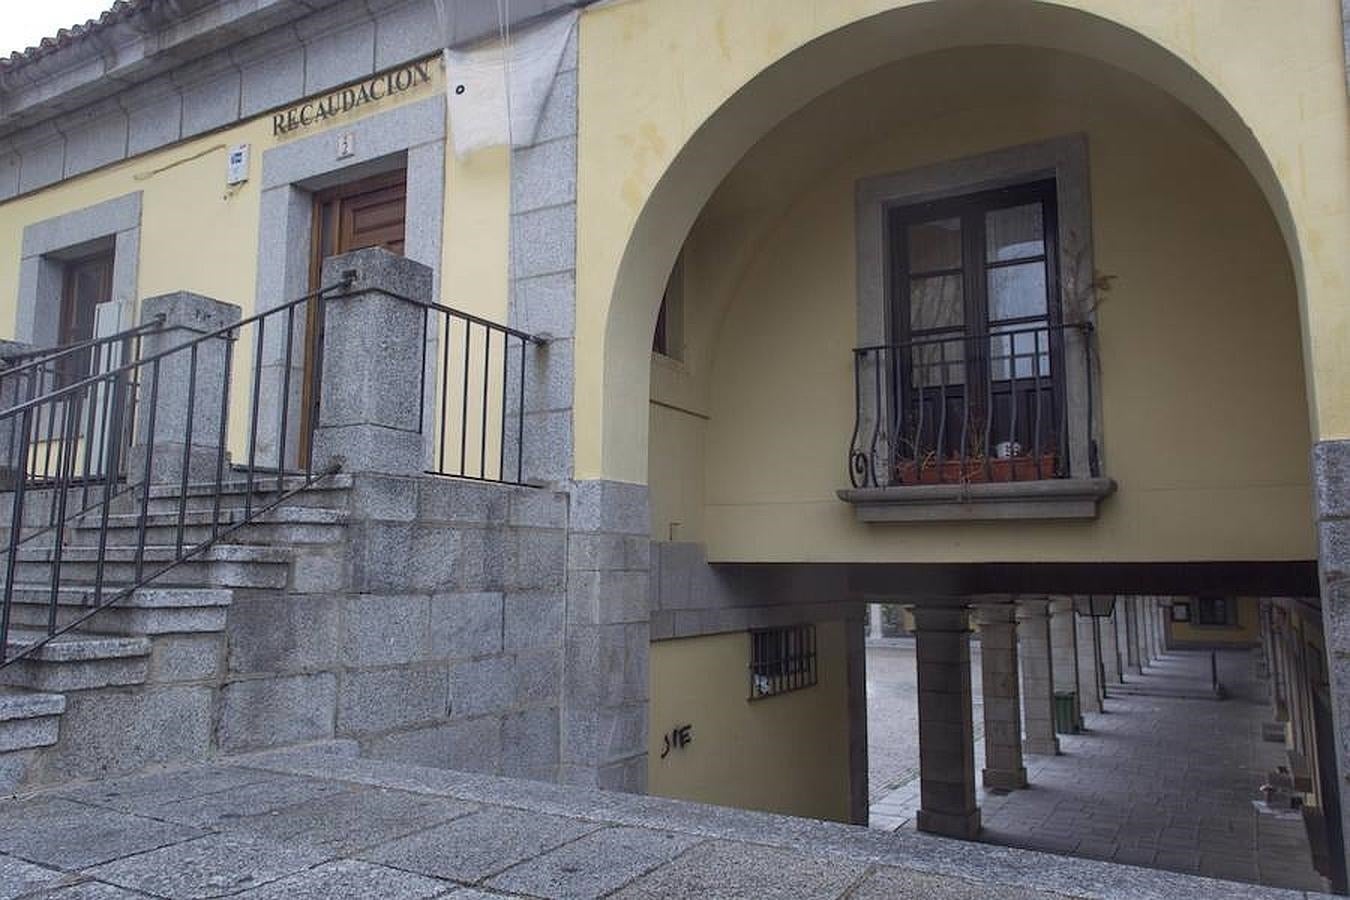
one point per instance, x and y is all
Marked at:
(482, 111)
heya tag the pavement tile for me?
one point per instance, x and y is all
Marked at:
(350, 878)
(594, 865)
(902, 884)
(722, 870)
(72, 836)
(481, 844)
(346, 823)
(223, 807)
(18, 877)
(145, 793)
(211, 866)
(88, 890)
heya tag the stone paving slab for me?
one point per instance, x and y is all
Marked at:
(471, 837)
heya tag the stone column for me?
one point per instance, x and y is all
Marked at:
(1089, 673)
(370, 412)
(1110, 660)
(1142, 606)
(1064, 649)
(606, 637)
(946, 725)
(1003, 767)
(1038, 676)
(186, 316)
(1133, 657)
(1156, 611)
(874, 619)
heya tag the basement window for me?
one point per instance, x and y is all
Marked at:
(782, 660)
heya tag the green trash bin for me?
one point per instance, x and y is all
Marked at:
(1066, 722)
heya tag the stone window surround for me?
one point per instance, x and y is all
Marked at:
(1066, 160)
(411, 136)
(49, 243)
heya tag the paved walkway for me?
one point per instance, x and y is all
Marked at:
(1165, 778)
(312, 826)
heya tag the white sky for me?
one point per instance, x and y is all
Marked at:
(25, 22)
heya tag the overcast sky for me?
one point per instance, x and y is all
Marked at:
(25, 22)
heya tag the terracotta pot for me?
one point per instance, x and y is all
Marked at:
(976, 471)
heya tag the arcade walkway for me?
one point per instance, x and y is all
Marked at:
(1165, 778)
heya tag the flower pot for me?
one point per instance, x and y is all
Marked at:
(976, 470)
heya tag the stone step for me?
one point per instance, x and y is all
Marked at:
(76, 661)
(328, 493)
(29, 719)
(146, 611)
(283, 525)
(221, 565)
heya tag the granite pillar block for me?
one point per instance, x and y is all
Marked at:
(946, 726)
(180, 395)
(1003, 765)
(370, 414)
(1038, 675)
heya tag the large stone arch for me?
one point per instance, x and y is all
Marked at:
(617, 387)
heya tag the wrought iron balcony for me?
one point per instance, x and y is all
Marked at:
(1013, 405)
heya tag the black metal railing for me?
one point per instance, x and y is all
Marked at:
(40, 372)
(959, 409)
(169, 419)
(481, 380)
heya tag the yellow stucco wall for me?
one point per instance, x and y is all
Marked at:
(656, 139)
(1247, 631)
(201, 236)
(786, 754)
(1203, 409)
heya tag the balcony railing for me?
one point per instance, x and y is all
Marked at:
(958, 408)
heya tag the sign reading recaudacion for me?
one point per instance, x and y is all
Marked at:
(344, 100)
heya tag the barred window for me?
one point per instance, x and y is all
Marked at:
(782, 660)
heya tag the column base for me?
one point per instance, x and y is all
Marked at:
(1005, 779)
(965, 826)
(1041, 748)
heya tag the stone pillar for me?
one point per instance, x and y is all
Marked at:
(1038, 676)
(874, 619)
(1003, 767)
(370, 412)
(1110, 661)
(607, 633)
(1133, 657)
(1064, 649)
(1156, 611)
(13, 390)
(946, 725)
(1143, 605)
(1089, 673)
(186, 316)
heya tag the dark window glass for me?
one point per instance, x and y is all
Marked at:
(1214, 611)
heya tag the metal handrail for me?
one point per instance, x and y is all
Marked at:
(110, 408)
(48, 356)
(1005, 417)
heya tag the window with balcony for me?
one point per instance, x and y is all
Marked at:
(973, 375)
(976, 365)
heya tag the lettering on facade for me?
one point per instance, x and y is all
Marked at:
(344, 100)
(680, 737)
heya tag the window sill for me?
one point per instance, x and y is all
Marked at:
(1058, 498)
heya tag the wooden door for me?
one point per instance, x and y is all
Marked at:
(366, 213)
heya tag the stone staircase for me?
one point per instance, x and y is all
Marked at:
(114, 693)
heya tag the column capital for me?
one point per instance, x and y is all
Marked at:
(1033, 607)
(941, 618)
(995, 614)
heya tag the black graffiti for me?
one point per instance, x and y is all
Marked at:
(678, 739)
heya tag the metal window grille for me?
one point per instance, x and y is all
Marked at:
(782, 660)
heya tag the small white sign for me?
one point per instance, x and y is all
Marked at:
(346, 145)
(236, 165)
